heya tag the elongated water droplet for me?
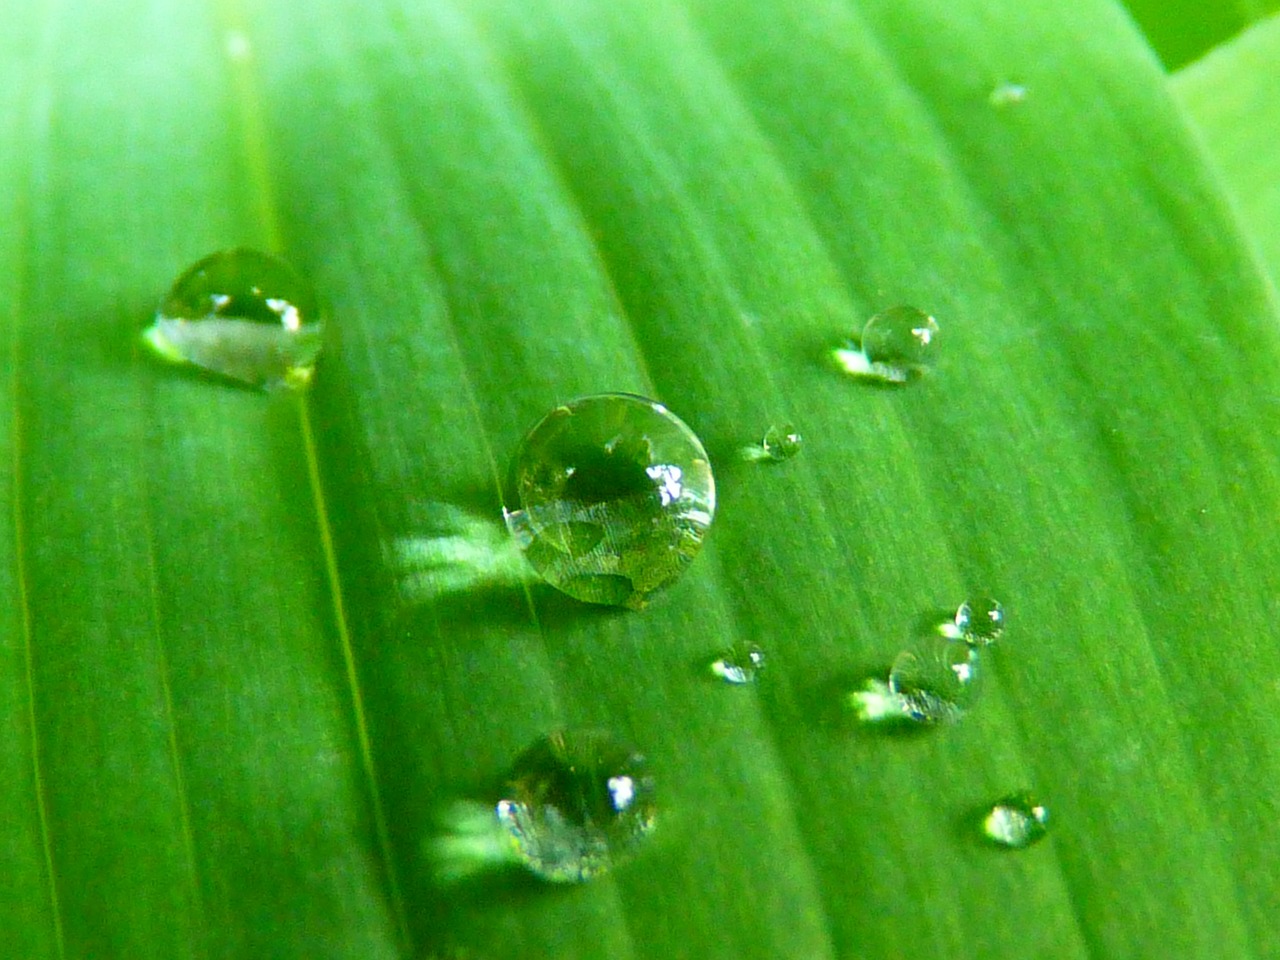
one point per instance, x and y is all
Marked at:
(897, 345)
(1017, 821)
(579, 803)
(242, 314)
(980, 621)
(740, 664)
(616, 495)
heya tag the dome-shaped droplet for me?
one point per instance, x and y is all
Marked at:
(242, 314)
(897, 345)
(616, 496)
(579, 802)
(781, 442)
(980, 621)
(741, 663)
(1017, 821)
(935, 679)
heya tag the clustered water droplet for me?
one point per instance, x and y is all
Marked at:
(578, 803)
(244, 315)
(897, 345)
(616, 496)
(740, 664)
(1017, 821)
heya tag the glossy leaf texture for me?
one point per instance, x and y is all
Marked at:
(232, 725)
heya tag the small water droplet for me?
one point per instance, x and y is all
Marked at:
(740, 664)
(936, 679)
(897, 345)
(1017, 821)
(932, 681)
(781, 442)
(579, 803)
(616, 495)
(980, 621)
(1007, 94)
(242, 314)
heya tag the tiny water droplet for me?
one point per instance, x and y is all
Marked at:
(980, 621)
(740, 664)
(897, 345)
(1007, 94)
(579, 803)
(242, 314)
(616, 496)
(1017, 821)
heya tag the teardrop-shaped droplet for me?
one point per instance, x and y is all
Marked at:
(897, 345)
(579, 802)
(1017, 821)
(241, 314)
(616, 495)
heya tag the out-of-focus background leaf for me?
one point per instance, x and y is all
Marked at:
(1181, 31)
(1232, 96)
(228, 729)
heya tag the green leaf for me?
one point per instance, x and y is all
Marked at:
(1180, 31)
(1231, 96)
(233, 726)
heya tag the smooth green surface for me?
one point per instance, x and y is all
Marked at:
(228, 735)
(1184, 30)
(1232, 96)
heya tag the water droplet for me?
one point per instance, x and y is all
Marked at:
(932, 681)
(897, 346)
(242, 314)
(740, 664)
(616, 496)
(781, 442)
(579, 803)
(936, 679)
(1007, 94)
(1017, 821)
(980, 621)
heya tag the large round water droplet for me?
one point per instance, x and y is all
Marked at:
(1017, 821)
(579, 803)
(242, 314)
(616, 496)
(935, 679)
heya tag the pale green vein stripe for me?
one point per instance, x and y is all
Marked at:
(22, 227)
(254, 139)
(175, 755)
(40, 100)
